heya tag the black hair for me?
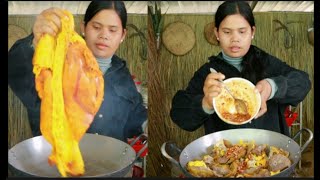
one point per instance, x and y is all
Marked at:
(96, 6)
(234, 7)
(252, 65)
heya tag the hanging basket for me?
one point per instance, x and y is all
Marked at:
(15, 33)
(209, 34)
(179, 38)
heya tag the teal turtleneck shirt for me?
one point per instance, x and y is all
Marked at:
(104, 64)
(236, 62)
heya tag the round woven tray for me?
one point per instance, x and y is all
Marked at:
(178, 38)
(15, 33)
(209, 34)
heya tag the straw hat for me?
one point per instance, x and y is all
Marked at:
(178, 38)
(209, 34)
(15, 33)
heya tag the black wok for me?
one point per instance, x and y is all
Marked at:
(103, 157)
(203, 145)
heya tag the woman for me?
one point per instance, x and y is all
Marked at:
(278, 84)
(122, 114)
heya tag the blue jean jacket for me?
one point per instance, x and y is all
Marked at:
(121, 113)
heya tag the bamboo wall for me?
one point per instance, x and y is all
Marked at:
(174, 73)
(130, 50)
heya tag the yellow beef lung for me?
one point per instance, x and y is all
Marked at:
(70, 86)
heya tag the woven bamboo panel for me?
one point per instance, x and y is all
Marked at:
(18, 124)
(14, 33)
(134, 48)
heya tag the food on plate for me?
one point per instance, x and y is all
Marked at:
(70, 86)
(242, 89)
(245, 159)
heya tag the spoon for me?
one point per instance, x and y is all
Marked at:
(239, 104)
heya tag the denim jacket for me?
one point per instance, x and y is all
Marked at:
(121, 113)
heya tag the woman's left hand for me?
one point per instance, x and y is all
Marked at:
(264, 88)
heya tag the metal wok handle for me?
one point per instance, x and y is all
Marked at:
(170, 150)
(144, 139)
(308, 141)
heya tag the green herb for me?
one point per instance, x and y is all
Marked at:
(157, 20)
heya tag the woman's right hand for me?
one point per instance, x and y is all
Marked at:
(48, 21)
(211, 88)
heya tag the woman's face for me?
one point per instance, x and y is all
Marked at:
(104, 33)
(235, 35)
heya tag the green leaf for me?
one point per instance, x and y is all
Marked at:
(150, 10)
(156, 7)
(160, 25)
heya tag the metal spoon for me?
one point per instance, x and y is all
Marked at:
(239, 104)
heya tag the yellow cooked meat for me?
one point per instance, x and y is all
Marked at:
(63, 67)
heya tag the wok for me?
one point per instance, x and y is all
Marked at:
(103, 156)
(203, 145)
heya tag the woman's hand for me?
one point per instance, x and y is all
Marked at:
(48, 21)
(211, 88)
(264, 88)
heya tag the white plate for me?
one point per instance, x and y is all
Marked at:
(242, 89)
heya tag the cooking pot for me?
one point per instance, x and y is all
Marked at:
(103, 156)
(203, 145)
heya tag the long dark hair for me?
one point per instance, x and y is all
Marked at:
(253, 69)
(96, 6)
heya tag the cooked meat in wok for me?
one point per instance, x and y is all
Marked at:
(70, 86)
(245, 159)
